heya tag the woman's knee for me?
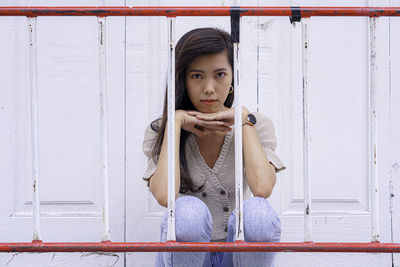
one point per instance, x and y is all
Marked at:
(261, 222)
(193, 220)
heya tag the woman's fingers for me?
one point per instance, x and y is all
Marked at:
(198, 133)
(197, 125)
(194, 113)
(213, 116)
(226, 116)
(205, 116)
(209, 124)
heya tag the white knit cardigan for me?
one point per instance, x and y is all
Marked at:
(219, 182)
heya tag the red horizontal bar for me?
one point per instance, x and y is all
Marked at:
(39, 246)
(197, 11)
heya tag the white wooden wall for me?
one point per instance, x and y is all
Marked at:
(69, 127)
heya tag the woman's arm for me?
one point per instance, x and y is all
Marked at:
(159, 180)
(260, 173)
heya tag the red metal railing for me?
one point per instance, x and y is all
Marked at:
(197, 11)
(107, 246)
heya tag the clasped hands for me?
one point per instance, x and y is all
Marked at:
(202, 124)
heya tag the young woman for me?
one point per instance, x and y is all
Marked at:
(205, 182)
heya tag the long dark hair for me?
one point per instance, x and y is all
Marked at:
(195, 43)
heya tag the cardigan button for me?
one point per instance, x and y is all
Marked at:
(226, 209)
(222, 192)
(204, 194)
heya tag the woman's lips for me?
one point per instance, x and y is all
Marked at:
(208, 102)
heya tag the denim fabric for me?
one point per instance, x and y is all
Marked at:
(194, 224)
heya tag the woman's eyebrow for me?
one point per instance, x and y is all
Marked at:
(220, 69)
(202, 71)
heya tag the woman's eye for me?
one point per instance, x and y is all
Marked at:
(220, 74)
(196, 76)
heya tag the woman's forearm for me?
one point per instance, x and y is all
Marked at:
(159, 180)
(260, 173)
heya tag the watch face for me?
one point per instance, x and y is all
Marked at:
(252, 118)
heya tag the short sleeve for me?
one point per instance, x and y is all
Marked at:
(266, 132)
(148, 143)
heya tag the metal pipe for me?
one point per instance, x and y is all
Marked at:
(235, 34)
(305, 23)
(32, 23)
(197, 11)
(106, 246)
(238, 147)
(373, 156)
(104, 123)
(171, 130)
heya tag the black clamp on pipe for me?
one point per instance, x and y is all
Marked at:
(235, 24)
(296, 14)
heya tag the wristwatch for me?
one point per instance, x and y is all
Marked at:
(250, 119)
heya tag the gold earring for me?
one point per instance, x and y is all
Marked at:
(231, 89)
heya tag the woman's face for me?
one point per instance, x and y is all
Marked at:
(208, 80)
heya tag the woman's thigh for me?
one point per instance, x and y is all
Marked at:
(193, 223)
(261, 224)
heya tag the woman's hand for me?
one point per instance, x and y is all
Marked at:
(226, 116)
(197, 126)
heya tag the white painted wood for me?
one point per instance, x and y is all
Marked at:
(382, 138)
(338, 108)
(146, 81)
(69, 134)
(394, 164)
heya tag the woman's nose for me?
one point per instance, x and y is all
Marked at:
(209, 87)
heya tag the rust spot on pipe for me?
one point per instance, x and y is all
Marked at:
(37, 242)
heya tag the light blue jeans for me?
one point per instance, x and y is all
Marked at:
(194, 224)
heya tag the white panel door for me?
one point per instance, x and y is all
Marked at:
(339, 163)
(70, 168)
